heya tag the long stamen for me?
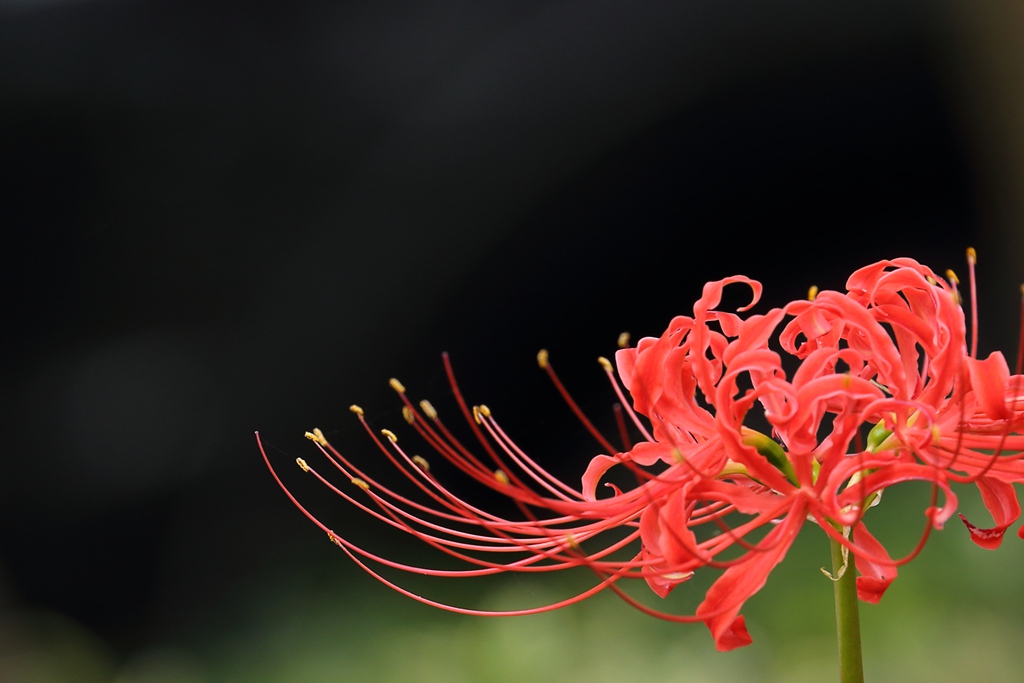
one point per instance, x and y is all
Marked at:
(972, 258)
(542, 539)
(462, 610)
(545, 364)
(607, 367)
(550, 483)
(620, 424)
(482, 415)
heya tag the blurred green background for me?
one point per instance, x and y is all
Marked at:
(217, 218)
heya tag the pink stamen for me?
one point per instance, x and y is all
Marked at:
(625, 404)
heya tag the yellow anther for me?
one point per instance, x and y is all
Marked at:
(951, 276)
(605, 363)
(623, 340)
(396, 385)
(421, 462)
(501, 477)
(542, 358)
(390, 434)
(316, 436)
(476, 414)
(812, 293)
(484, 410)
(302, 463)
(407, 413)
(570, 541)
(936, 435)
(356, 409)
(428, 409)
(677, 455)
(333, 538)
(972, 256)
(931, 280)
(361, 483)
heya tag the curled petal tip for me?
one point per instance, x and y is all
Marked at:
(733, 636)
(870, 590)
(989, 539)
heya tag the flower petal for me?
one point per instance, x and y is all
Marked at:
(1001, 500)
(875, 576)
(989, 378)
(726, 596)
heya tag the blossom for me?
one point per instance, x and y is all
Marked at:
(737, 452)
(885, 393)
(954, 412)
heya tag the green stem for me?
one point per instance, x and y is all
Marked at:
(851, 665)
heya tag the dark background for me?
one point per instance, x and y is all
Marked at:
(218, 218)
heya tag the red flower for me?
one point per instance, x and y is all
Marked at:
(737, 453)
(953, 412)
(885, 393)
(758, 491)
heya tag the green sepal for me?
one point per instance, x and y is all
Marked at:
(772, 452)
(877, 436)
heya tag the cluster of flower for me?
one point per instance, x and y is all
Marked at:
(885, 391)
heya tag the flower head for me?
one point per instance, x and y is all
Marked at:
(751, 426)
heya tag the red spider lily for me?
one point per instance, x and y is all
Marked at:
(952, 412)
(887, 356)
(767, 490)
(885, 393)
